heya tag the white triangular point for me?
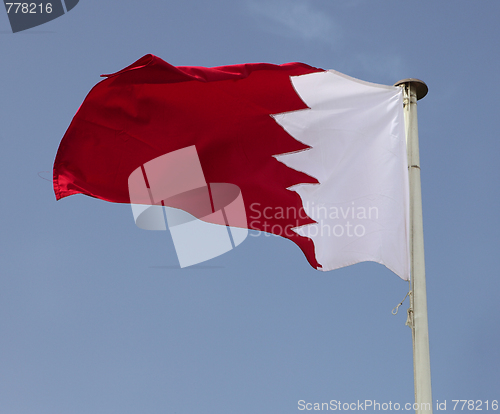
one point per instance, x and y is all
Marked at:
(358, 155)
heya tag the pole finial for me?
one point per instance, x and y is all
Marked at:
(419, 85)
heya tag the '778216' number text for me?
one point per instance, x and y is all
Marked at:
(28, 7)
(475, 405)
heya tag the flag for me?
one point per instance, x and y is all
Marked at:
(319, 157)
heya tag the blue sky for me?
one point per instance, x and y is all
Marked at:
(96, 318)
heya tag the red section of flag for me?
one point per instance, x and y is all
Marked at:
(152, 108)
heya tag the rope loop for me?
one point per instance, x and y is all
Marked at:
(396, 308)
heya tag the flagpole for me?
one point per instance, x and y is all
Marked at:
(413, 90)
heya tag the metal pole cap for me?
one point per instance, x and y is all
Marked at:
(420, 86)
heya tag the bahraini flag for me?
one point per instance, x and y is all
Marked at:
(319, 157)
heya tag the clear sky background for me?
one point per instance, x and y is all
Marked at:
(96, 316)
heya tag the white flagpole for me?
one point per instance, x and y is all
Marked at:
(413, 90)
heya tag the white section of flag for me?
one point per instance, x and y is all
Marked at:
(358, 155)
